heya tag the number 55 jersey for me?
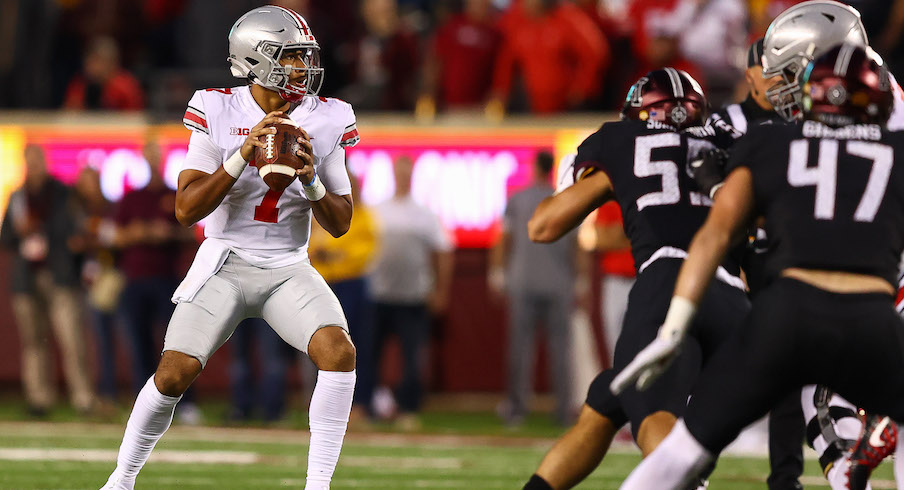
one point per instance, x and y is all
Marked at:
(833, 198)
(661, 205)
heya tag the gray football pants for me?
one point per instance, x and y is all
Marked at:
(527, 313)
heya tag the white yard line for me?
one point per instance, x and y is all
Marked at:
(219, 457)
(270, 436)
(402, 463)
(109, 455)
(808, 481)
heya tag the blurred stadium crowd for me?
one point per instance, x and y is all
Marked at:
(78, 259)
(71, 247)
(539, 56)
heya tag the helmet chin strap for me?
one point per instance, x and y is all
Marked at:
(291, 97)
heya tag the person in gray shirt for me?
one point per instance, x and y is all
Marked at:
(409, 282)
(539, 282)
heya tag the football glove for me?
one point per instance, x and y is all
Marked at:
(708, 169)
(565, 177)
(648, 364)
(655, 358)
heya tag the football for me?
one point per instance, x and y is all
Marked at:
(278, 161)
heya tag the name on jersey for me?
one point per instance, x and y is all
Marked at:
(651, 124)
(813, 129)
(239, 131)
(700, 131)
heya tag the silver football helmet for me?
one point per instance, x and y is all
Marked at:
(798, 36)
(257, 42)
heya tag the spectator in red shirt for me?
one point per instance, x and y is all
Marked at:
(103, 84)
(560, 53)
(654, 47)
(149, 239)
(459, 69)
(702, 38)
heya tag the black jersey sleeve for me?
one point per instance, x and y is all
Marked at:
(590, 157)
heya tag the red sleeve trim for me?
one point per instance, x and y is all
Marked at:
(195, 118)
(349, 135)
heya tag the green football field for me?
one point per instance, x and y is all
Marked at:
(72, 455)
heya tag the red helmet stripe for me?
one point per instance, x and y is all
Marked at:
(298, 20)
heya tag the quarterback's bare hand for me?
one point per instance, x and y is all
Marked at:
(648, 364)
(306, 153)
(261, 129)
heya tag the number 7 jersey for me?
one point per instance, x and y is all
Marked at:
(265, 228)
(661, 205)
(833, 198)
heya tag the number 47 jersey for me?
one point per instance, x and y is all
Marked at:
(833, 198)
(263, 227)
(661, 205)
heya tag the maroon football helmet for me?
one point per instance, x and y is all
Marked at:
(847, 85)
(667, 95)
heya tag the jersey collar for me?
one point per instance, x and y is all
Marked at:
(249, 104)
(755, 113)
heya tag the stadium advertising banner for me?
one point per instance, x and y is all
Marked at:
(464, 175)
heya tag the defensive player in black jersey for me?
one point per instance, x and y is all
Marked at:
(640, 161)
(786, 420)
(832, 425)
(833, 203)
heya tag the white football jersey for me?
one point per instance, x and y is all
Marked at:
(263, 227)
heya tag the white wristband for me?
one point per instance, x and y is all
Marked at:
(712, 192)
(235, 165)
(315, 190)
(681, 312)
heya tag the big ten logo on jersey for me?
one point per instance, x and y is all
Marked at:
(239, 131)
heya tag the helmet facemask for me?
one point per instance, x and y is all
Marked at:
(797, 36)
(279, 77)
(680, 113)
(785, 96)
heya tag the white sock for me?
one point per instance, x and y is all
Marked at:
(328, 417)
(673, 465)
(847, 428)
(151, 416)
(837, 475)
